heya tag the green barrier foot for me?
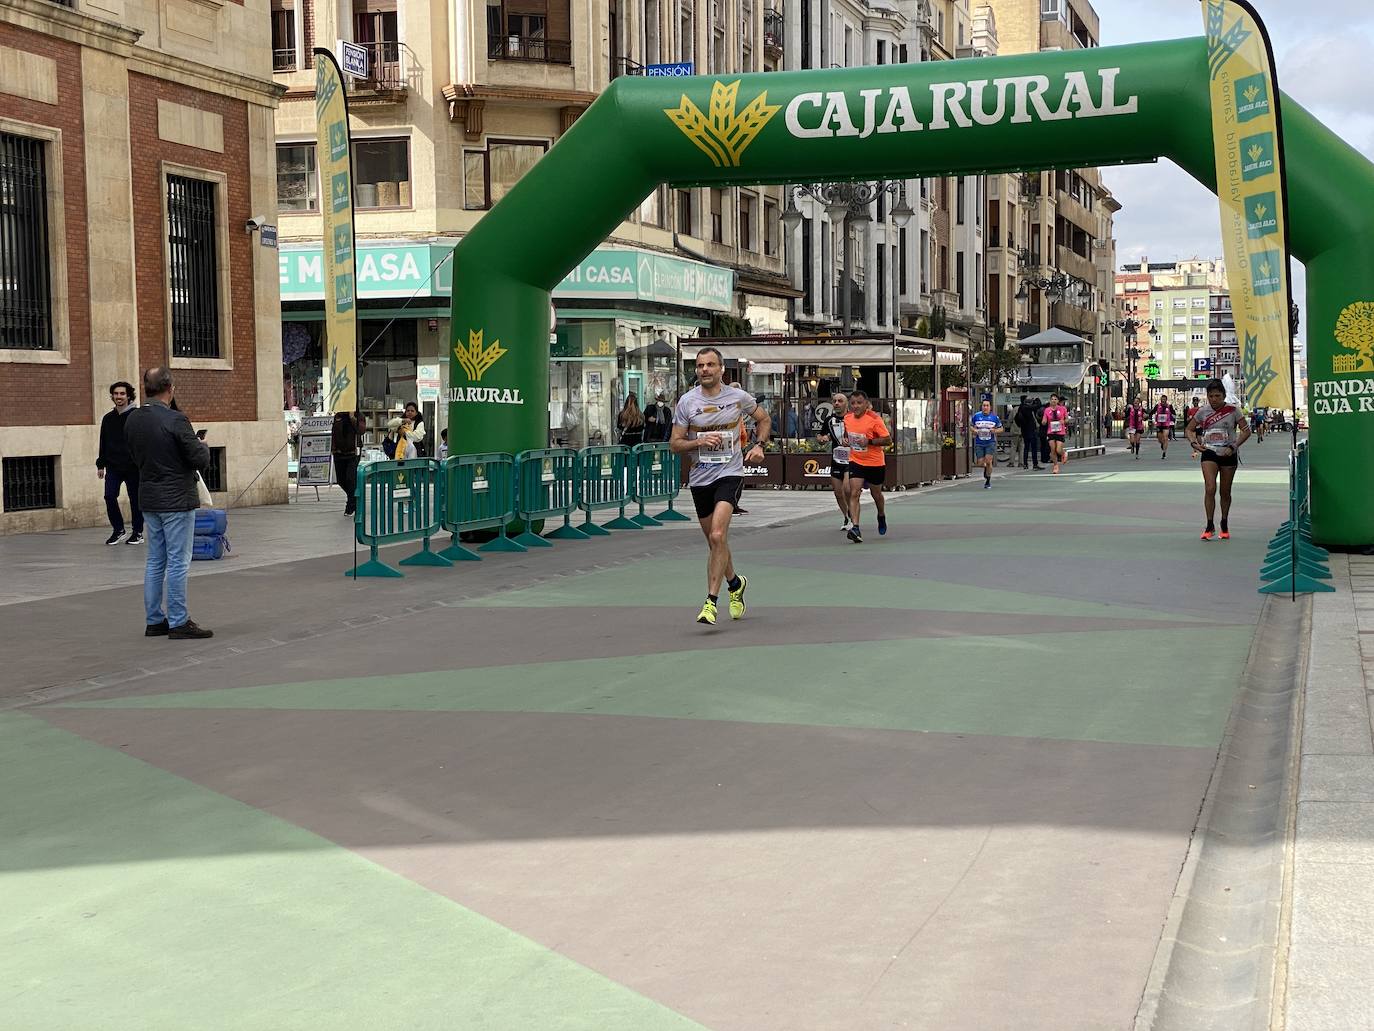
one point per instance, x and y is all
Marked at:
(567, 532)
(1282, 568)
(621, 523)
(1300, 585)
(426, 558)
(455, 552)
(645, 520)
(503, 544)
(374, 567)
(673, 516)
(592, 530)
(532, 540)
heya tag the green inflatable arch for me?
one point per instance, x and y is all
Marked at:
(1110, 105)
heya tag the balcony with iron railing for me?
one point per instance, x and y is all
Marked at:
(391, 73)
(772, 33)
(284, 60)
(535, 49)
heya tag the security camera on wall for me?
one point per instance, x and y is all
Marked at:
(255, 223)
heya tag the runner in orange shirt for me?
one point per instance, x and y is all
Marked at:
(867, 463)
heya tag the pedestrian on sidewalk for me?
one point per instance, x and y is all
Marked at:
(115, 465)
(1027, 422)
(343, 444)
(631, 422)
(169, 455)
(397, 445)
(658, 420)
(415, 430)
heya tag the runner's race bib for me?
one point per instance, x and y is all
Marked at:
(858, 441)
(1161, 420)
(840, 455)
(1216, 438)
(1056, 426)
(721, 455)
(983, 433)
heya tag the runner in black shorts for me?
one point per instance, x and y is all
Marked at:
(1216, 431)
(706, 425)
(837, 440)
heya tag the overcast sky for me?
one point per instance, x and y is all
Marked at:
(1320, 45)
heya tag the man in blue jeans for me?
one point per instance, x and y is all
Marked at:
(168, 455)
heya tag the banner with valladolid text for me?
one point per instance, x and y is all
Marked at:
(1248, 138)
(335, 160)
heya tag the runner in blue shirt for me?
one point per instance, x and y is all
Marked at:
(986, 426)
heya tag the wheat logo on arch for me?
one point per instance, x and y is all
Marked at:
(474, 358)
(1355, 332)
(722, 134)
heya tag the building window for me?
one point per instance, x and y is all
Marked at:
(535, 30)
(651, 209)
(880, 283)
(30, 483)
(215, 478)
(771, 223)
(381, 173)
(807, 253)
(193, 281)
(942, 274)
(488, 175)
(297, 183)
(717, 216)
(959, 275)
(283, 37)
(684, 212)
(375, 27)
(746, 221)
(904, 284)
(959, 201)
(26, 308)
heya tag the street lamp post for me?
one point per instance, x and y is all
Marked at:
(847, 205)
(1131, 326)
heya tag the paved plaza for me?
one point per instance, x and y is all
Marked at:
(945, 779)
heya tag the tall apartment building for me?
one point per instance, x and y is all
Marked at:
(135, 148)
(900, 273)
(1052, 223)
(1185, 309)
(460, 101)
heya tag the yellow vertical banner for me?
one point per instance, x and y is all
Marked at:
(335, 161)
(1248, 137)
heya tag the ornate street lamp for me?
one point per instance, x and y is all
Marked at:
(1130, 326)
(847, 204)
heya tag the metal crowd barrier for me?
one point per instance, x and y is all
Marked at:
(479, 493)
(657, 477)
(605, 483)
(1294, 564)
(397, 502)
(546, 486)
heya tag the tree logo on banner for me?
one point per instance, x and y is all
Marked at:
(1355, 332)
(474, 358)
(723, 135)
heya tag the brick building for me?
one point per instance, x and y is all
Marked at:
(136, 145)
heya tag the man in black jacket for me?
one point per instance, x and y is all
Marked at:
(343, 444)
(168, 455)
(1029, 426)
(115, 465)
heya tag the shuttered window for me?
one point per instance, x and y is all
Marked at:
(193, 275)
(25, 287)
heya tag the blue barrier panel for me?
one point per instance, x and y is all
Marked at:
(546, 486)
(479, 494)
(658, 477)
(605, 483)
(396, 502)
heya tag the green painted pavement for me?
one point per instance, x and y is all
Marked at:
(785, 587)
(1147, 548)
(136, 900)
(1032, 686)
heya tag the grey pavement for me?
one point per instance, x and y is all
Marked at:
(1330, 984)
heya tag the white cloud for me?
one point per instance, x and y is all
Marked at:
(1317, 72)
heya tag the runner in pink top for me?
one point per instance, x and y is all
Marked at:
(1163, 419)
(1056, 420)
(1135, 427)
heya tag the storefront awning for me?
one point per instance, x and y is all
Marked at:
(1046, 377)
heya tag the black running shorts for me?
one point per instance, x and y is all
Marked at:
(873, 475)
(1221, 461)
(707, 497)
